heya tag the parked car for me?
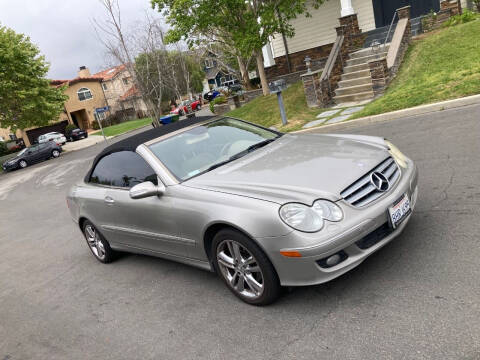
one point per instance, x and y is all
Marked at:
(180, 110)
(76, 134)
(212, 94)
(33, 154)
(52, 136)
(261, 208)
(193, 105)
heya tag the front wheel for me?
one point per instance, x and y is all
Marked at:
(245, 268)
(55, 153)
(23, 164)
(98, 245)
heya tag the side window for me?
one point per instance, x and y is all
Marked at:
(123, 169)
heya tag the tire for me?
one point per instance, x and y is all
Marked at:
(55, 153)
(249, 267)
(23, 164)
(97, 244)
(180, 112)
(199, 107)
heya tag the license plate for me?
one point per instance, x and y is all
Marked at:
(399, 210)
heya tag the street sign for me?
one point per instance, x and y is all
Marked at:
(102, 109)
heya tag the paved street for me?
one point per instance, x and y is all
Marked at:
(417, 298)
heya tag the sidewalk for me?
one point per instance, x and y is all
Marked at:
(81, 144)
(417, 110)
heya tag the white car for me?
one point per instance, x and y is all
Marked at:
(52, 136)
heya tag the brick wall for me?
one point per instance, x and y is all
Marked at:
(297, 61)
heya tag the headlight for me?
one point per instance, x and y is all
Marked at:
(397, 154)
(301, 217)
(310, 219)
(328, 210)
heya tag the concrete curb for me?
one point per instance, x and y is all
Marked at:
(417, 110)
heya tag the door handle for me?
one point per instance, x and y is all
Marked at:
(109, 200)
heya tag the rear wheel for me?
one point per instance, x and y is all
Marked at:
(245, 268)
(23, 164)
(55, 153)
(98, 245)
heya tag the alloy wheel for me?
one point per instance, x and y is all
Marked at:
(55, 153)
(240, 269)
(95, 242)
(23, 164)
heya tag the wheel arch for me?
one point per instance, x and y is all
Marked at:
(213, 228)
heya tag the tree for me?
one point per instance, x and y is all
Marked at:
(243, 25)
(26, 97)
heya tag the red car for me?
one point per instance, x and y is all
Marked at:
(186, 107)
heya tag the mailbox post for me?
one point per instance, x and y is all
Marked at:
(276, 87)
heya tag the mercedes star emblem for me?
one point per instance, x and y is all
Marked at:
(379, 181)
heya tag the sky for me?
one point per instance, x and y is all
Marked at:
(63, 30)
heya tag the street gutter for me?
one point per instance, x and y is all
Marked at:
(417, 110)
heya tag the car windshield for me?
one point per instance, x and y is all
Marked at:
(205, 147)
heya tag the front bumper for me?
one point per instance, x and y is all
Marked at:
(362, 232)
(13, 166)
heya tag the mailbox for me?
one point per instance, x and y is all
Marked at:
(277, 86)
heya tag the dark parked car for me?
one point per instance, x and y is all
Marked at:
(212, 94)
(76, 134)
(33, 154)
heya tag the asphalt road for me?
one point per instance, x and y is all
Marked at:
(417, 298)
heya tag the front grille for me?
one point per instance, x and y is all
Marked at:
(375, 236)
(362, 191)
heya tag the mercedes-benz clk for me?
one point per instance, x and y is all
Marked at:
(260, 208)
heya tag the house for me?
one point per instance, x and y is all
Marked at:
(121, 94)
(315, 35)
(217, 74)
(86, 100)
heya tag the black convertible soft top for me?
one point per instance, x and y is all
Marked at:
(132, 142)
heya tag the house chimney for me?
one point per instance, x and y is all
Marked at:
(83, 72)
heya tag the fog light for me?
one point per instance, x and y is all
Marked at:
(333, 260)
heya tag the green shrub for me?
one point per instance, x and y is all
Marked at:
(95, 125)
(69, 128)
(3, 148)
(218, 100)
(465, 17)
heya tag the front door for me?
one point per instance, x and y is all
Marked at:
(385, 9)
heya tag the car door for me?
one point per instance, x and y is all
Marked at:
(32, 155)
(147, 224)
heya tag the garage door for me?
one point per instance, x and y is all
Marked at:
(35, 133)
(384, 9)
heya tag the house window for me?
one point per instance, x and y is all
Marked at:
(208, 63)
(104, 86)
(84, 94)
(125, 81)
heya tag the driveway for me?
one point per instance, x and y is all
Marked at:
(417, 298)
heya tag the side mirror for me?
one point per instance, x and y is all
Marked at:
(146, 189)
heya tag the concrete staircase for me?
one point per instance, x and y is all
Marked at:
(356, 83)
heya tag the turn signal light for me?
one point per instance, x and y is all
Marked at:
(290, 253)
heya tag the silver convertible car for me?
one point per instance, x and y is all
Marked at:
(260, 208)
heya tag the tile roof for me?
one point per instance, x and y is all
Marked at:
(132, 92)
(59, 83)
(110, 73)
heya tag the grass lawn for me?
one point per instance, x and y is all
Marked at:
(439, 66)
(124, 127)
(264, 110)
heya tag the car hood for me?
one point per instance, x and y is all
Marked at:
(298, 167)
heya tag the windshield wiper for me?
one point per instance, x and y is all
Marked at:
(240, 154)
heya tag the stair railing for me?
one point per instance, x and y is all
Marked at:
(389, 30)
(331, 61)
